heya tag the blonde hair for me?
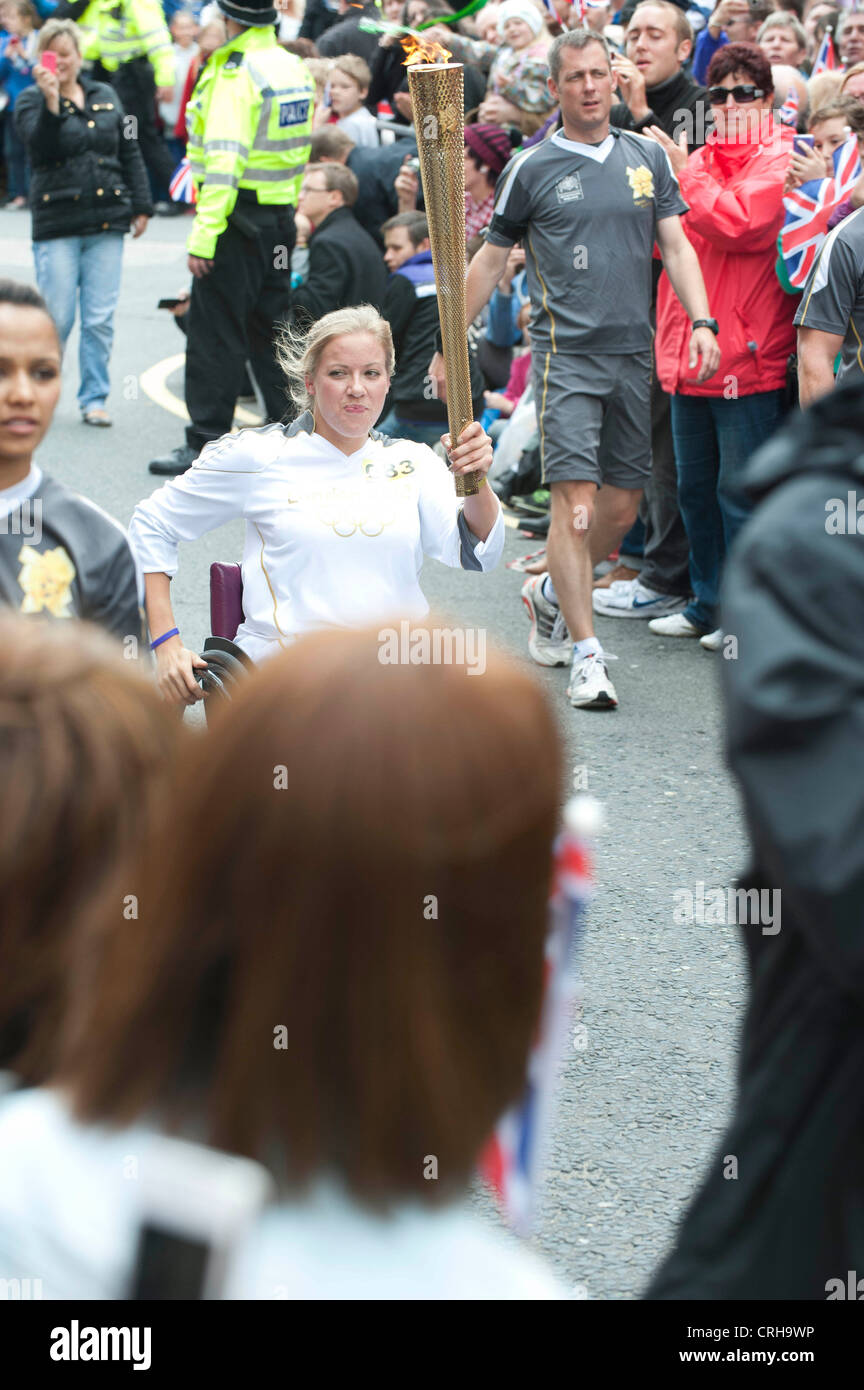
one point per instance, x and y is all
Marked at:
(354, 67)
(855, 71)
(55, 29)
(298, 354)
(824, 87)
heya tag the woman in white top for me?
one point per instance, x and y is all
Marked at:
(338, 517)
(335, 971)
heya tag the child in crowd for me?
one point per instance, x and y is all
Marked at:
(184, 28)
(17, 56)
(830, 125)
(517, 93)
(349, 86)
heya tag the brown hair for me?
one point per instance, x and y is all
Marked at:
(359, 855)
(337, 177)
(741, 57)
(848, 109)
(330, 143)
(85, 749)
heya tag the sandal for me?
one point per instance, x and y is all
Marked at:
(525, 560)
(97, 416)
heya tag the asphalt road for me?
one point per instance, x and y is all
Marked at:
(643, 1102)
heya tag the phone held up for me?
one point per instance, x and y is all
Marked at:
(49, 61)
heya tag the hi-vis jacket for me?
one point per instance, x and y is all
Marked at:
(249, 123)
(116, 31)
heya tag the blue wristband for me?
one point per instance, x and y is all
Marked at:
(175, 632)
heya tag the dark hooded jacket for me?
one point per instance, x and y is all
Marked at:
(789, 1222)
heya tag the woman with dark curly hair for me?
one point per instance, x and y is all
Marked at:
(734, 187)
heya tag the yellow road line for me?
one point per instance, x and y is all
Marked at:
(154, 383)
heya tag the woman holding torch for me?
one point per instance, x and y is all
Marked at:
(338, 517)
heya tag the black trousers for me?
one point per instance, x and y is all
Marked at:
(666, 567)
(232, 316)
(135, 85)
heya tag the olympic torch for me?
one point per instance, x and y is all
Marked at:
(437, 101)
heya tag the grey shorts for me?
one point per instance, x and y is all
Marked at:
(594, 417)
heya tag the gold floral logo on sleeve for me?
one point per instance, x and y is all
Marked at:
(46, 578)
(641, 180)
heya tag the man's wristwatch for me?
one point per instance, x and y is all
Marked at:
(707, 323)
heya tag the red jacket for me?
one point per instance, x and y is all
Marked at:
(735, 195)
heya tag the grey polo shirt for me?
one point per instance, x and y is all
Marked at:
(587, 215)
(833, 298)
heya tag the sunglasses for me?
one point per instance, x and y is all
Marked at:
(747, 92)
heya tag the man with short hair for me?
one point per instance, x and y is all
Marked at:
(850, 37)
(654, 87)
(375, 170)
(589, 204)
(830, 317)
(657, 92)
(411, 309)
(345, 266)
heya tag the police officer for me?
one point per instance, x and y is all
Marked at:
(250, 124)
(129, 45)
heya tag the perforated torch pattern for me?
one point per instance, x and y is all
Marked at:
(437, 101)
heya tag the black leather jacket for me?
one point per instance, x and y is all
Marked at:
(88, 176)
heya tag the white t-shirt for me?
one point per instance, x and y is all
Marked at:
(332, 540)
(361, 126)
(70, 1216)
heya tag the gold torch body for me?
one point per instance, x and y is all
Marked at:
(437, 100)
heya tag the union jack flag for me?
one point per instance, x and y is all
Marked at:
(182, 186)
(826, 58)
(809, 208)
(512, 1159)
(789, 109)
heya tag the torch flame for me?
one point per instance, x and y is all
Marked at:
(420, 50)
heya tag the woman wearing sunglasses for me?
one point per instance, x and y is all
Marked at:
(734, 188)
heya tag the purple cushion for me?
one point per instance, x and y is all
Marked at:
(226, 599)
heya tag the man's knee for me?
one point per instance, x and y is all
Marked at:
(572, 507)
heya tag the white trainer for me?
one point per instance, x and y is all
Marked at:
(630, 598)
(712, 641)
(548, 640)
(590, 686)
(676, 625)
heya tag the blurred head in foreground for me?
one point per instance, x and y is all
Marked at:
(338, 963)
(85, 748)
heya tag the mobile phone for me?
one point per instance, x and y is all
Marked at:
(195, 1208)
(803, 144)
(49, 61)
(171, 303)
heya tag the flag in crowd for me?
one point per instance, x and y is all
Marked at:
(826, 58)
(512, 1160)
(808, 210)
(182, 185)
(789, 109)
